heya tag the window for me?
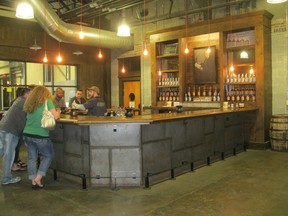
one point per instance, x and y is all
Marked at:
(18, 74)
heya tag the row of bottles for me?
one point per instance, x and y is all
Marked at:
(208, 92)
(240, 93)
(168, 81)
(240, 78)
(171, 95)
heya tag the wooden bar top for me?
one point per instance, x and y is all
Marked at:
(147, 119)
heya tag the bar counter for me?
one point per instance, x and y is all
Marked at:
(123, 151)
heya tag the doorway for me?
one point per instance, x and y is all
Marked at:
(131, 94)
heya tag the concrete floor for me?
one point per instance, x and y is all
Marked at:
(253, 183)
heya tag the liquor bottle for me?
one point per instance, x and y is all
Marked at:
(204, 91)
(193, 92)
(210, 91)
(199, 92)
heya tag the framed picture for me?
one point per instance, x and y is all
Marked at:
(204, 65)
(171, 49)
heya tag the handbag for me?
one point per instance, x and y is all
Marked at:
(48, 121)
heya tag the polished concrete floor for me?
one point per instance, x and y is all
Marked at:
(253, 183)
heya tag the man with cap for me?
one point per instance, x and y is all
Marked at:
(96, 106)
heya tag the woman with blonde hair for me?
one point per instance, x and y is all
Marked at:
(37, 138)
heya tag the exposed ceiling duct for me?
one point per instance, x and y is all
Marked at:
(69, 33)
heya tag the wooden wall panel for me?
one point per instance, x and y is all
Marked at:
(17, 35)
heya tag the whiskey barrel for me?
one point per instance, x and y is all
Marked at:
(279, 132)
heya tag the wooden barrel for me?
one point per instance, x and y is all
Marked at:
(279, 132)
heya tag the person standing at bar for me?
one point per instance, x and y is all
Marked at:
(58, 99)
(78, 98)
(11, 127)
(96, 105)
(37, 138)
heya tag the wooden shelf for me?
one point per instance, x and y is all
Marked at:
(168, 86)
(167, 56)
(240, 83)
(169, 71)
(240, 48)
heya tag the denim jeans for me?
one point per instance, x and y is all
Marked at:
(36, 146)
(8, 143)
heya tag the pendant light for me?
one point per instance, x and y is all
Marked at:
(231, 68)
(209, 30)
(123, 29)
(123, 68)
(81, 33)
(100, 56)
(35, 46)
(59, 57)
(24, 11)
(45, 59)
(145, 52)
(186, 51)
(276, 1)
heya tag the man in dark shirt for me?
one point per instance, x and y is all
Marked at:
(11, 127)
(96, 105)
(78, 98)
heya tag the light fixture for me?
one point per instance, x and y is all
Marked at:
(276, 1)
(59, 57)
(78, 52)
(145, 52)
(208, 50)
(81, 33)
(244, 55)
(186, 51)
(35, 46)
(24, 11)
(100, 56)
(123, 68)
(123, 29)
(45, 59)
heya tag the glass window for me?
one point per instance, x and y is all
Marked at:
(20, 74)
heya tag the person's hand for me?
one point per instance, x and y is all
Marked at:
(73, 104)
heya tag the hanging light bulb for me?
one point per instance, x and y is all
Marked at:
(123, 69)
(159, 73)
(145, 52)
(186, 50)
(208, 50)
(100, 54)
(45, 59)
(59, 58)
(231, 68)
(81, 34)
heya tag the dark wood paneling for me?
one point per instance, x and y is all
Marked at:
(17, 35)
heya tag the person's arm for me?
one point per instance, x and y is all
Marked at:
(78, 106)
(70, 102)
(51, 108)
(55, 113)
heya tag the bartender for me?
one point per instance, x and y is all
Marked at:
(96, 106)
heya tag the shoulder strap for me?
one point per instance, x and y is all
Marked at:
(46, 107)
